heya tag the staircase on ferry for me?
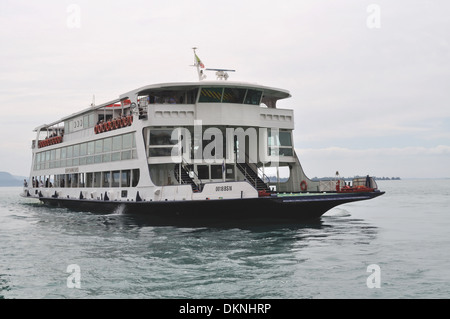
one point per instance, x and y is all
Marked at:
(185, 178)
(252, 177)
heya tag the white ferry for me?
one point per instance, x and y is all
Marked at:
(184, 152)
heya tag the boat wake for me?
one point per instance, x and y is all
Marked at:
(338, 212)
(120, 210)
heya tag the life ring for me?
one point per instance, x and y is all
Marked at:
(303, 186)
(130, 120)
(124, 121)
(109, 126)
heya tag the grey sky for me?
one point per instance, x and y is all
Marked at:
(367, 100)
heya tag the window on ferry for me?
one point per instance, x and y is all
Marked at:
(135, 177)
(229, 171)
(203, 171)
(253, 97)
(73, 180)
(281, 151)
(211, 95)
(191, 96)
(168, 97)
(126, 155)
(279, 138)
(98, 159)
(82, 180)
(115, 156)
(125, 178)
(280, 143)
(91, 148)
(285, 138)
(98, 146)
(161, 137)
(160, 151)
(127, 141)
(57, 182)
(106, 158)
(231, 95)
(115, 182)
(161, 143)
(89, 179)
(117, 143)
(69, 150)
(216, 171)
(97, 179)
(83, 149)
(106, 179)
(107, 144)
(76, 150)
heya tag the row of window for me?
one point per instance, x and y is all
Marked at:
(123, 178)
(230, 95)
(161, 143)
(116, 148)
(207, 95)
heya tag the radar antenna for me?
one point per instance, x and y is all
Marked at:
(221, 74)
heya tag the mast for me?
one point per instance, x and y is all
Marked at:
(199, 65)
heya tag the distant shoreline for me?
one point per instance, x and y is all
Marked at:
(9, 180)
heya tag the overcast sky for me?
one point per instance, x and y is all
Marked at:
(370, 80)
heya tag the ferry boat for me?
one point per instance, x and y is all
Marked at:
(190, 152)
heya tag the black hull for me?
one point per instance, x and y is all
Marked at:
(263, 210)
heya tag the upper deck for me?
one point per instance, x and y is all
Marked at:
(209, 92)
(178, 103)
